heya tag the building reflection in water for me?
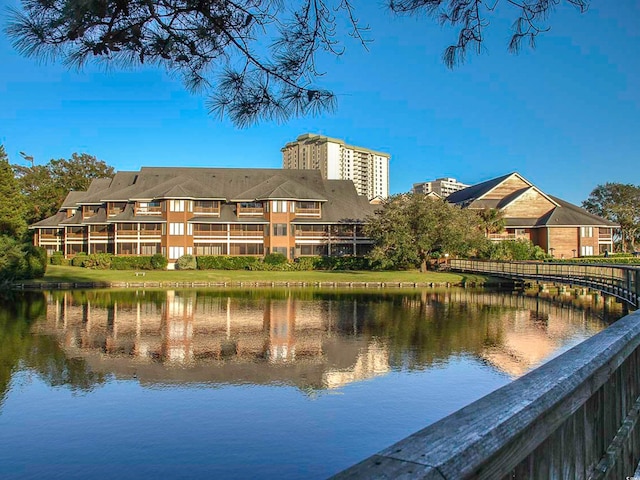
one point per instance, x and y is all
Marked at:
(310, 340)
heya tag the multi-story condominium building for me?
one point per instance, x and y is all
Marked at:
(368, 169)
(443, 187)
(558, 227)
(210, 211)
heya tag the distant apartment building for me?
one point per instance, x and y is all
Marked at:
(368, 169)
(441, 186)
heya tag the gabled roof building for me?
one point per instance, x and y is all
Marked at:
(558, 227)
(210, 211)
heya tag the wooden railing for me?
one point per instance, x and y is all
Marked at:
(621, 281)
(574, 417)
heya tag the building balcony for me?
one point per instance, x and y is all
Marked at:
(250, 212)
(305, 234)
(149, 211)
(213, 211)
(241, 233)
(150, 233)
(74, 236)
(308, 212)
(216, 234)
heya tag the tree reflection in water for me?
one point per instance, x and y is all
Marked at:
(312, 339)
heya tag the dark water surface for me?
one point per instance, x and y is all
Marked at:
(252, 384)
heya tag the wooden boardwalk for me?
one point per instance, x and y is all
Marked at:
(621, 281)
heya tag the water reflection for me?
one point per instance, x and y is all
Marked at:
(310, 339)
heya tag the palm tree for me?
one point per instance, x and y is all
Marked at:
(492, 220)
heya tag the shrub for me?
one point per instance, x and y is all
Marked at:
(78, 260)
(275, 259)
(159, 261)
(131, 263)
(20, 261)
(186, 262)
(36, 260)
(98, 261)
(348, 262)
(307, 263)
(58, 258)
(219, 262)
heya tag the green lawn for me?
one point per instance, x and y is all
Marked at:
(59, 274)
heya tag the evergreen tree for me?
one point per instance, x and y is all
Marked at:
(12, 206)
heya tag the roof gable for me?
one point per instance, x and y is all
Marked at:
(278, 187)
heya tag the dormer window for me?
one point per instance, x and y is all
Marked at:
(308, 209)
(89, 210)
(148, 208)
(250, 209)
(206, 207)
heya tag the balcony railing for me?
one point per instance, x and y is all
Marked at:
(250, 212)
(215, 233)
(149, 211)
(246, 233)
(49, 236)
(149, 233)
(308, 212)
(315, 234)
(207, 210)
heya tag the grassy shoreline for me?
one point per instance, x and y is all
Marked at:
(65, 274)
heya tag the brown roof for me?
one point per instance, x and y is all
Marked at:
(340, 199)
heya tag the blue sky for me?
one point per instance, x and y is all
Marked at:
(566, 115)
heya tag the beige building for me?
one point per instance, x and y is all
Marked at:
(443, 187)
(368, 169)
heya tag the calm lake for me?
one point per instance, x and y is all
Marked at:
(263, 383)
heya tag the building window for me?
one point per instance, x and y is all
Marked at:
(149, 248)
(176, 205)
(176, 229)
(279, 229)
(586, 250)
(280, 206)
(282, 250)
(586, 232)
(175, 252)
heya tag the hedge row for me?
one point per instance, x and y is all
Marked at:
(107, 261)
(274, 263)
(271, 262)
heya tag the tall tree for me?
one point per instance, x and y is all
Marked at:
(260, 54)
(619, 203)
(12, 205)
(410, 228)
(46, 186)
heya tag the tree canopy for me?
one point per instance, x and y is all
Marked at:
(619, 203)
(411, 228)
(45, 186)
(257, 58)
(12, 206)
